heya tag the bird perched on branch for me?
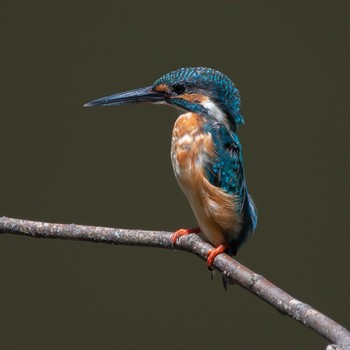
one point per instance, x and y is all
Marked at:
(206, 153)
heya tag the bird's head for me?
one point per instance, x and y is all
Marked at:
(200, 90)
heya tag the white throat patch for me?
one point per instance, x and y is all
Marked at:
(215, 111)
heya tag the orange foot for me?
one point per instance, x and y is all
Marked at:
(213, 253)
(184, 232)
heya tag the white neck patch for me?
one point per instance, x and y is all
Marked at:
(215, 111)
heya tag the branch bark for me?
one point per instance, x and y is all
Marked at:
(230, 268)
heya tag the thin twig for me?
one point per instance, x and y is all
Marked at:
(229, 267)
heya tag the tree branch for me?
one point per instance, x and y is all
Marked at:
(229, 267)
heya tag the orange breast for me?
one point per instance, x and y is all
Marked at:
(191, 147)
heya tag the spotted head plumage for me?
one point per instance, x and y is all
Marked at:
(200, 89)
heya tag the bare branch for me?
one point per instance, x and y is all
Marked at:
(229, 267)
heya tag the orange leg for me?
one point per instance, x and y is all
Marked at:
(184, 232)
(214, 252)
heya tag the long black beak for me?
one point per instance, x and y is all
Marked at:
(128, 97)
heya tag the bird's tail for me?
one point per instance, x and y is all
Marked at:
(249, 223)
(252, 216)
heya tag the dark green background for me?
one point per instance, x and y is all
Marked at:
(111, 167)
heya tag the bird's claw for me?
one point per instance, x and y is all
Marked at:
(183, 232)
(212, 254)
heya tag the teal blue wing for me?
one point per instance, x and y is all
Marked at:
(226, 171)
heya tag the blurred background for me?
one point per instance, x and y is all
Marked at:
(111, 167)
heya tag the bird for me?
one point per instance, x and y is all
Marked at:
(206, 153)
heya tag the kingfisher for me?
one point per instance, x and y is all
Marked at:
(205, 152)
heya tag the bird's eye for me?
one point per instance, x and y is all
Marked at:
(179, 89)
